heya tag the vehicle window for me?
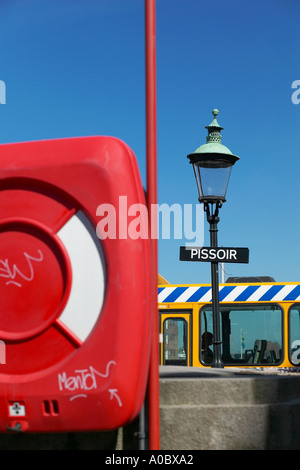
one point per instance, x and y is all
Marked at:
(294, 335)
(175, 341)
(249, 334)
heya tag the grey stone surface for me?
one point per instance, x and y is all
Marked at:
(229, 409)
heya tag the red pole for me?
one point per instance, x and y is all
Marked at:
(151, 155)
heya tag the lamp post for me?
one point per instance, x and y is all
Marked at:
(212, 163)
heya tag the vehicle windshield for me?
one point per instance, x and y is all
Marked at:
(249, 334)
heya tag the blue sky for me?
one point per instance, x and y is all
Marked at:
(77, 68)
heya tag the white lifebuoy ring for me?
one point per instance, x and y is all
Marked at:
(86, 297)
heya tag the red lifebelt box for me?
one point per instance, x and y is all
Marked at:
(74, 303)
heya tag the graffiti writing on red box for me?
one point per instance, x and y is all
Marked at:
(84, 380)
(14, 274)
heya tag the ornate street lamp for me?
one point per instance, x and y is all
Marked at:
(212, 163)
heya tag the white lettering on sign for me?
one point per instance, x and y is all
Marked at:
(214, 253)
(12, 272)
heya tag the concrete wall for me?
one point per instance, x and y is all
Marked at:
(231, 410)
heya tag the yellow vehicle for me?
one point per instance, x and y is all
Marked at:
(259, 323)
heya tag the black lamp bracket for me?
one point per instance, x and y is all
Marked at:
(212, 211)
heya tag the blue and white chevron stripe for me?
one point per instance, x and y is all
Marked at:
(230, 293)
